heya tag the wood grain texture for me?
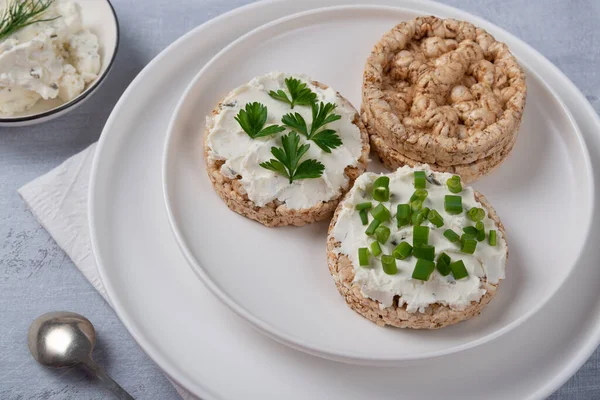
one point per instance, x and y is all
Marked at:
(36, 276)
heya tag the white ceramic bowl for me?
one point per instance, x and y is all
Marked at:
(99, 17)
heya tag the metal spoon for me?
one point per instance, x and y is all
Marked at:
(64, 339)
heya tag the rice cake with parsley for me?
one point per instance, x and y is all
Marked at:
(283, 149)
(396, 274)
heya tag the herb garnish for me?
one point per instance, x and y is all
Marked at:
(253, 119)
(288, 157)
(18, 14)
(322, 115)
(301, 95)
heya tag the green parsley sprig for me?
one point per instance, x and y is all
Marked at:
(18, 14)
(300, 94)
(287, 160)
(253, 119)
(322, 115)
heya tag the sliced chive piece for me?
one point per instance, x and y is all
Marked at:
(443, 264)
(420, 235)
(375, 249)
(389, 264)
(372, 226)
(459, 270)
(492, 238)
(435, 218)
(424, 251)
(382, 233)
(480, 231)
(417, 218)
(425, 212)
(471, 230)
(364, 206)
(419, 194)
(423, 270)
(451, 235)
(454, 184)
(468, 244)
(402, 251)
(363, 256)
(420, 180)
(381, 194)
(403, 215)
(381, 188)
(381, 213)
(453, 204)
(476, 214)
(416, 205)
(364, 217)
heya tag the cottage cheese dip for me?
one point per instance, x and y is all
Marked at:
(47, 60)
(488, 262)
(242, 155)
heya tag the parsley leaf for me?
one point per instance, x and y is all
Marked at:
(300, 94)
(253, 119)
(287, 160)
(322, 114)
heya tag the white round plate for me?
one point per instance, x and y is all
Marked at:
(278, 279)
(100, 18)
(212, 353)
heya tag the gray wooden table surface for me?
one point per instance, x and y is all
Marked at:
(37, 277)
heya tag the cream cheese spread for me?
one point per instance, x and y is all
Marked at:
(242, 155)
(487, 261)
(47, 60)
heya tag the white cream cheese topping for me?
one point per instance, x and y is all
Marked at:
(487, 261)
(242, 155)
(47, 60)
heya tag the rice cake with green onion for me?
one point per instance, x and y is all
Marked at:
(244, 143)
(395, 287)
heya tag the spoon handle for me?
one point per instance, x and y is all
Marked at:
(106, 380)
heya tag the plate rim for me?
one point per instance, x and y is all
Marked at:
(582, 354)
(290, 339)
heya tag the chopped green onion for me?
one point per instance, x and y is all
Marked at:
(425, 212)
(468, 244)
(381, 188)
(364, 217)
(382, 233)
(451, 235)
(471, 230)
(423, 270)
(420, 235)
(403, 215)
(375, 249)
(416, 205)
(424, 251)
(443, 264)
(381, 213)
(364, 206)
(372, 226)
(419, 194)
(492, 238)
(417, 218)
(453, 204)
(480, 231)
(476, 214)
(435, 218)
(363, 256)
(458, 270)
(402, 251)
(389, 264)
(454, 184)
(381, 194)
(420, 180)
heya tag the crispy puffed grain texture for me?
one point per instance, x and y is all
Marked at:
(435, 316)
(445, 93)
(277, 213)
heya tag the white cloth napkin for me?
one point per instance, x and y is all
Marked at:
(59, 200)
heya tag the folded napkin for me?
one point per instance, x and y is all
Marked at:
(59, 201)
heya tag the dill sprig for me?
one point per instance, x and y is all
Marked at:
(21, 13)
